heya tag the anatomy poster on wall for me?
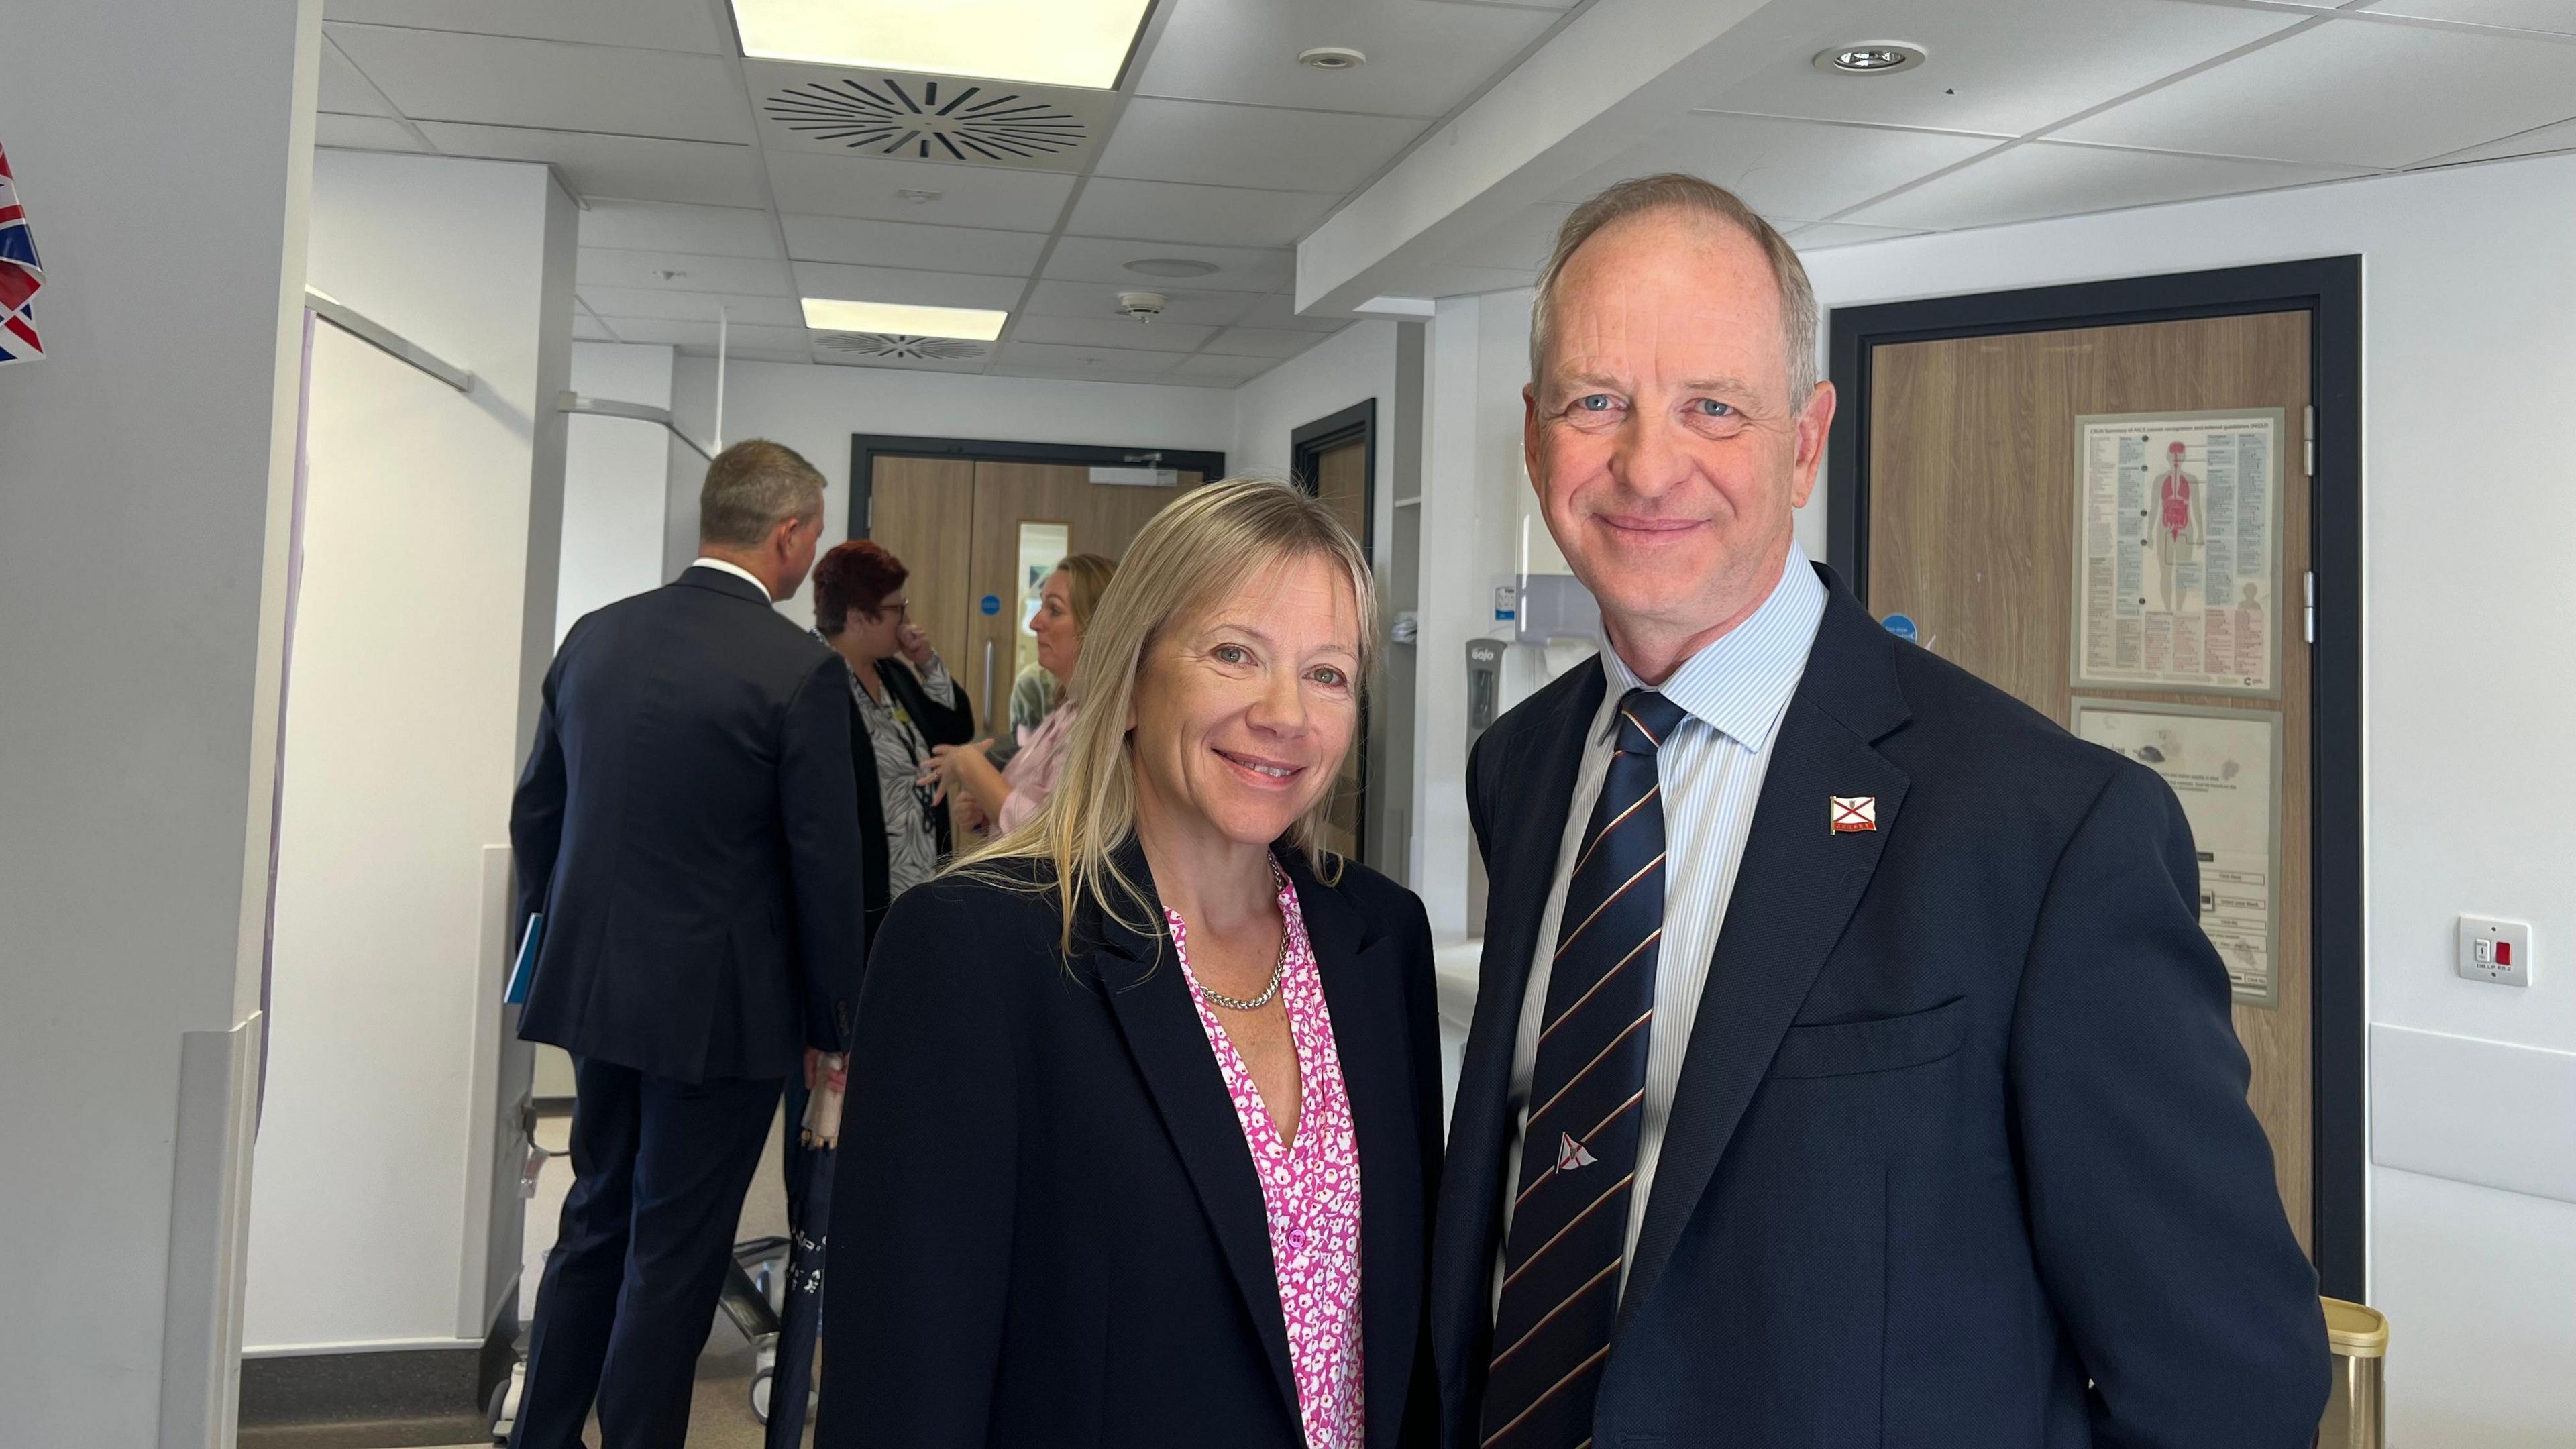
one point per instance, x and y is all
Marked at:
(2225, 767)
(2177, 551)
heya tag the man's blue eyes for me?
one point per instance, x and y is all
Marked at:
(1602, 403)
(1594, 404)
(1711, 407)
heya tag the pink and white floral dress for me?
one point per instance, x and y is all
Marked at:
(1310, 1188)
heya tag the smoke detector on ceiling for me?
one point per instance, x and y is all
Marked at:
(1869, 57)
(1143, 306)
(1332, 57)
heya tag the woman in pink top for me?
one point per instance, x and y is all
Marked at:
(1005, 799)
(1144, 1112)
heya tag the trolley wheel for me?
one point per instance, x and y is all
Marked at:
(760, 1394)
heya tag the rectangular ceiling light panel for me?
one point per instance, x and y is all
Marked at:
(1040, 42)
(977, 324)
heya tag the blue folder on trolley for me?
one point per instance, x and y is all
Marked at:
(524, 970)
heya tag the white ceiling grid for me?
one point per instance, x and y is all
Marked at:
(1222, 150)
(2030, 109)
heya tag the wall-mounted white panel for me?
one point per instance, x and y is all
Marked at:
(2476, 1284)
(2483, 1112)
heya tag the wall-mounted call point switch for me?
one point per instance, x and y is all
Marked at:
(2496, 951)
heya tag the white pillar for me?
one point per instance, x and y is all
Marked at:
(164, 155)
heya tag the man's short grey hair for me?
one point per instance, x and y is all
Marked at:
(1673, 191)
(751, 488)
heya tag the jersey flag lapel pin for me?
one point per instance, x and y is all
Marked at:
(1853, 813)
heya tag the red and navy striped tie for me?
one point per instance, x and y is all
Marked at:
(1569, 1221)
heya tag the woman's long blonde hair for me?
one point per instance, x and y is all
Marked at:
(1190, 556)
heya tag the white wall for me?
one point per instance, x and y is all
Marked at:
(814, 409)
(2468, 520)
(428, 513)
(145, 472)
(616, 482)
(1352, 366)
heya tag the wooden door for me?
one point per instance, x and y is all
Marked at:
(1974, 460)
(1341, 481)
(922, 511)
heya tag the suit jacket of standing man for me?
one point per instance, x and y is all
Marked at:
(1957, 1150)
(685, 824)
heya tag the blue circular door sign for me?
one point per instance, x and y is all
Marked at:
(1900, 625)
(991, 605)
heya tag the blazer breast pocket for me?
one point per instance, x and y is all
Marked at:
(1882, 1044)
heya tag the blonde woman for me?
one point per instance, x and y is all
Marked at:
(1145, 1096)
(1006, 797)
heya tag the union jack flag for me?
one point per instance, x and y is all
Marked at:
(21, 275)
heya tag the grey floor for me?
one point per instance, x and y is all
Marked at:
(720, 1415)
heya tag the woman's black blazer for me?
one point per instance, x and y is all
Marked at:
(940, 724)
(1047, 1229)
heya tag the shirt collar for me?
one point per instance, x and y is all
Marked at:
(1740, 682)
(737, 570)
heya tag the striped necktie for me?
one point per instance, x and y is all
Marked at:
(1569, 1222)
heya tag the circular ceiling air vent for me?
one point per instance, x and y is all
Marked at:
(884, 118)
(898, 346)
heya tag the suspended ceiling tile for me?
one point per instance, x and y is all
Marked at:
(1099, 302)
(2042, 179)
(655, 226)
(677, 333)
(491, 80)
(2538, 142)
(1221, 366)
(970, 196)
(1278, 311)
(2001, 66)
(898, 244)
(586, 328)
(1820, 236)
(681, 272)
(1219, 145)
(887, 284)
(632, 167)
(364, 133)
(1080, 361)
(1262, 342)
(653, 24)
(1238, 269)
(2555, 17)
(344, 89)
(1155, 336)
(1784, 168)
(2354, 93)
(1423, 58)
(1216, 215)
(739, 310)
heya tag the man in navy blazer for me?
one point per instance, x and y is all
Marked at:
(685, 825)
(1849, 1066)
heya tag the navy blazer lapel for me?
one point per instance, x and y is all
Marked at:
(1365, 994)
(1537, 776)
(1794, 893)
(1142, 981)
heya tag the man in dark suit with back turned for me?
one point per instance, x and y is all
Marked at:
(1849, 1067)
(685, 826)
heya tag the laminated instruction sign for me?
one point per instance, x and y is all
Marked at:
(2177, 551)
(2225, 767)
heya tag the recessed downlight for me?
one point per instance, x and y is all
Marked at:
(1171, 267)
(1869, 57)
(1038, 42)
(835, 314)
(1332, 57)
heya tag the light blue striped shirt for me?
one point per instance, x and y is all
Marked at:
(1735, 689)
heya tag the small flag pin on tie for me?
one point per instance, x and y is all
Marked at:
(1571, 1154)
(1855, 813)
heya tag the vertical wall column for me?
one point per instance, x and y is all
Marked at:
(385, 1218)
(145, 470)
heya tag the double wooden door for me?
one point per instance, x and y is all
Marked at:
(980, 538)
(1976, 458)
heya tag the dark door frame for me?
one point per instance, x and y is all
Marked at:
(866, 448)
(1354, 424)
(2329, 290)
